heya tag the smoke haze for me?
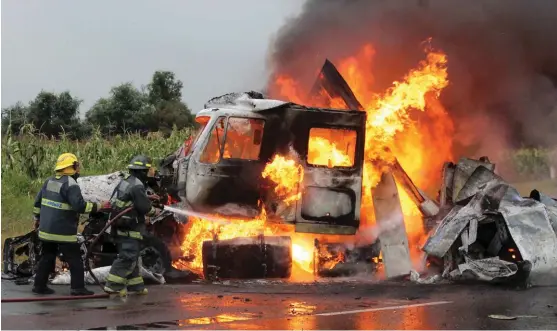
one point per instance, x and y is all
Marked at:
(502, 59)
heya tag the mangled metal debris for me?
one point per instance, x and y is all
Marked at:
(394, 241)
(99, 188)
(491, 233)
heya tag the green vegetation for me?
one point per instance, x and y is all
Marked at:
(29, 158)
(156, 108)
(152, 120)
(531, 163)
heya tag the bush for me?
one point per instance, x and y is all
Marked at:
(531, 163)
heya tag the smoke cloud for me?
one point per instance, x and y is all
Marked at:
(502, 59)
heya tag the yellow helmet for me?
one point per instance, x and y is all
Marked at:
(66, 160)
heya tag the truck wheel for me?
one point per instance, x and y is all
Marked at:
(155, 255)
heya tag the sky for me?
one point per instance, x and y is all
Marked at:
(87, 47)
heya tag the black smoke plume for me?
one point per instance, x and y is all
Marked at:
(502, 58)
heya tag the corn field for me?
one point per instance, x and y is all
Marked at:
(29, 158)
(34, 155)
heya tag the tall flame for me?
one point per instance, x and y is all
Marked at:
(406, 121)
(286, 174)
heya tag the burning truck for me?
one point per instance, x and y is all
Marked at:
(277, 189)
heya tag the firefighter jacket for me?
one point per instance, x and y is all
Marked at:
(57, 207)
(131, 192)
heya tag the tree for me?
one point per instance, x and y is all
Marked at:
(164, 87)
(165, 94)
(170, 113)
(14, 117)
(51, 113)
(127, 109)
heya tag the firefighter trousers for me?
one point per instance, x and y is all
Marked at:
(124, 272)
(72, 255)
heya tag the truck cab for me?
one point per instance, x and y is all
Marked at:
(240, 133)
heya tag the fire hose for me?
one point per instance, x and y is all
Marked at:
(88, 267)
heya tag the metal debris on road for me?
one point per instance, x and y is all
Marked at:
(491, 233)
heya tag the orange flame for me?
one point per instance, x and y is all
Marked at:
(287, 174)
(200, 230)
(408, 119)
(331, 147)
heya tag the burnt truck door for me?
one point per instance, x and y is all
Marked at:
(224, 169)
(333, 145)
(184, 153)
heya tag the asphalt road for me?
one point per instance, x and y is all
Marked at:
(280, 305)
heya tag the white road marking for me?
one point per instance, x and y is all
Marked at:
(384, 308)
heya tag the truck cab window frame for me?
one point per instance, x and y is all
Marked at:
(189, 144)
(243, 138)
(212, 151)
(331, 147)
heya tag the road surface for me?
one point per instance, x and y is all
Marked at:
(280, 305)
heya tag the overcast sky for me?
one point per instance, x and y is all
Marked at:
(213, 46)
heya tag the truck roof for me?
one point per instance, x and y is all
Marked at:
(249, 102)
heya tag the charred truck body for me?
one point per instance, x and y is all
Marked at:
(240, 133)
(221, 173)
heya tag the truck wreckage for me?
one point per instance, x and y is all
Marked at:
(479, 229)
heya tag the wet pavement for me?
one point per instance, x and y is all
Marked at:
(280, 305)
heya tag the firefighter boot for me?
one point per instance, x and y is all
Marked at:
(42, 290)
(123, 292)
(81, 292)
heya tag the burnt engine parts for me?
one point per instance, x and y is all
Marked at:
(337, 260)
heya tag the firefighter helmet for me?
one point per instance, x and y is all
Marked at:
(66, 160)
(140, 162)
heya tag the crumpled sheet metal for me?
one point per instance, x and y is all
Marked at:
(478, 181)
(529, 225)
(550, 204)
(463, 170)
(552, 212)
(485, 269)
(101, 273)
(99, 188)
(447, 232)
(459, 217)
(455, 222)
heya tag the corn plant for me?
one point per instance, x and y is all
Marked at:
(34, 154)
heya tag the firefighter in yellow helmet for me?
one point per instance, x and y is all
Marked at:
(56, 212)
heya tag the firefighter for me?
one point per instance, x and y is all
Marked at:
(124, 274)
(56, 213)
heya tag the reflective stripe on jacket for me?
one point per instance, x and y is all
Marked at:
(57, 207)
(131, 192)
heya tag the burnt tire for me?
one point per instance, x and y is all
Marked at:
(155, 256)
